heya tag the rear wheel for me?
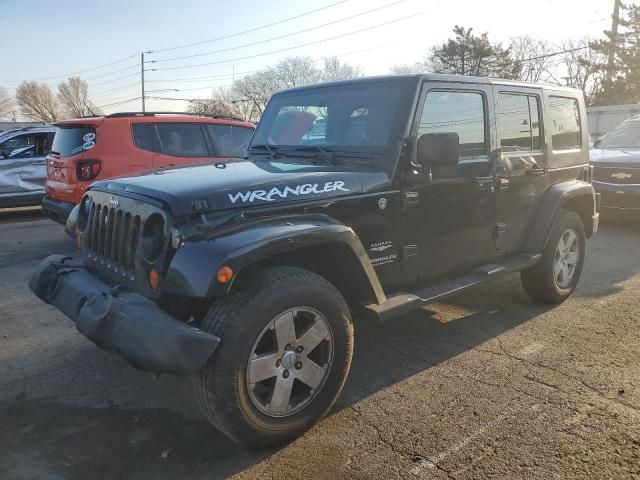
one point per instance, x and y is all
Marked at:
(555, 277)
(285, 351)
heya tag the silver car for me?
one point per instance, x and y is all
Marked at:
(22, 165)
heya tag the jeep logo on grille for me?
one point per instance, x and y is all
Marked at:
(620, 175)
(113, 202)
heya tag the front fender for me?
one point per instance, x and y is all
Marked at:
(577, 194)
(192, 271)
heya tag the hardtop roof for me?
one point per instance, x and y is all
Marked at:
(417, 77)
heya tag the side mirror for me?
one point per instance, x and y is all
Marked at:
(438, 149)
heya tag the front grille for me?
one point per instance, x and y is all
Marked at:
(622, 176)
(112, 236)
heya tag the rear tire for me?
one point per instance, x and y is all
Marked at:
(285, 352)
(556, 275)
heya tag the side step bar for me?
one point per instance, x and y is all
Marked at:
(405, 302)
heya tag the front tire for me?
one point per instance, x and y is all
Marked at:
(285, 352)
(556, 275)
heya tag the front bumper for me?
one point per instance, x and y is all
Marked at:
(126, 323)
(57, 210)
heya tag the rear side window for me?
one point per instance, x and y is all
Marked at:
(182, 139)
(146, 137)
(231, 140)
(518, 117)
(70, 141)
(564, 123)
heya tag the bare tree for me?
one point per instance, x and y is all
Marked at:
(534, 56)
(255, 90)
(333, 69)
(74, 99)
(220, 103)
(579, 67)
(37, 102)
(297, 71)
(6, 103)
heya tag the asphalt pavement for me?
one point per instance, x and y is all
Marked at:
(485, 385)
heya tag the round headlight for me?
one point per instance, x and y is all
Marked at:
(153, 237)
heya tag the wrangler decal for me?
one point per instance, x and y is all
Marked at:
(271, 195)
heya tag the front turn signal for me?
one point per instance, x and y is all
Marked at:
(225, 274)
(154, 278)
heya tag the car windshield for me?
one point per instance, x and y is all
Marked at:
(73, 140)
(331, 117)
(626, 135)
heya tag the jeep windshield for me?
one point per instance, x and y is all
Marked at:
(327, 119)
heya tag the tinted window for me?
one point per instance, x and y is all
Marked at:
(626, 135)
(182, 139)
(456, 112)
(564, 123)
(73, 140)
(145, 137)
(17, 142)
(230, 140)
(519, 122)
(331, 116)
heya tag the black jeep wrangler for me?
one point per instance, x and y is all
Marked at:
(373, 197)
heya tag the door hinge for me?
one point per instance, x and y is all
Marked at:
(411, 199)
(409, 251)
(499, 230)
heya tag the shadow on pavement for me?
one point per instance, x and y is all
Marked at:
(53, 438)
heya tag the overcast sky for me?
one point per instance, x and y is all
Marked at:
(41, 39)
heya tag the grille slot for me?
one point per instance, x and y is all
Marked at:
(112, 236)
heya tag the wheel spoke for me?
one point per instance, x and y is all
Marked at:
(262, 368)
(311, 373)
(312, 337)
(285, 330)
(572, 259)
(565, 274)
(281, 394)
(571, 238)
(557, 267)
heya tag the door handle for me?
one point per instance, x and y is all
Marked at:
(503, 184)
(535, 171)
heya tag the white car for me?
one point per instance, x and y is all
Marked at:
(22, 165)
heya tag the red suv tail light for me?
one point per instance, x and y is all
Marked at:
(88, 169)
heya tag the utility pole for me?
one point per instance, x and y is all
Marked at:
(142, 77)
(615, 21)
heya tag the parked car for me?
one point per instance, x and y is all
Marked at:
(94, 148)
(22, 165)
(246, 274)
(616, 168)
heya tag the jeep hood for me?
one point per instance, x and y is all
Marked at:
(242, 184)
(615, 157)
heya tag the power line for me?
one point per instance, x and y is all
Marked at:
(553, 54)
(75, 73)
(100, 93)
(114, 80)
(334, 22)
(310, 12)
(198, 79)
(121, 102)
(111, 73)
(372, 27)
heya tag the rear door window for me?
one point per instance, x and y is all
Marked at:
(182, 139)
(230, 140)
(145, 137)
(564, 123)
(518, 118)
(70, 141)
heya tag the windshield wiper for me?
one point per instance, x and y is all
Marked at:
(274, 152)
(321, 153)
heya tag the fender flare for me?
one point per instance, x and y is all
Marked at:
(574, 192)
(192, 271)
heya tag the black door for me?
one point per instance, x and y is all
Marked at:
(450, 213)
(521, 164)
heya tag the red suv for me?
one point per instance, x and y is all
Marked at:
(91, 148)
